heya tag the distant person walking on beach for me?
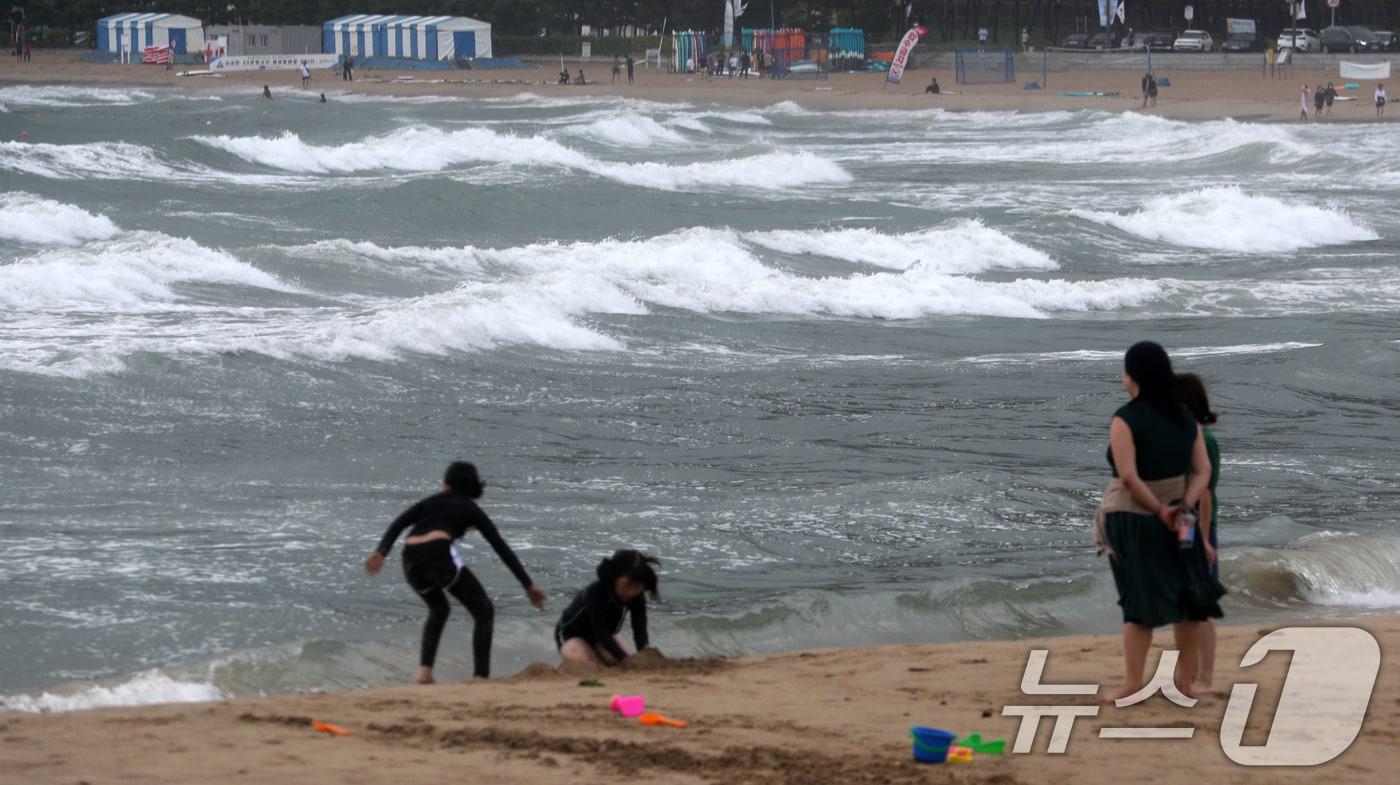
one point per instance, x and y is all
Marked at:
(1025, 40)
(1161, 471)
(1146, 78)
(745, 64)
(1191, 391)
(588, 629)
(616, 69)
(1303, 108)
(433, 569)
(305, 74)
(733, 64)
(347, 69)
(1380, 101)
(29, 51)
(1319, 101)
(982, 39)
(631, 68)
(1331, 96)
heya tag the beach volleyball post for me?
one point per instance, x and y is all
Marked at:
(901, 55)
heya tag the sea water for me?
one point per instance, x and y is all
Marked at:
(848, 374)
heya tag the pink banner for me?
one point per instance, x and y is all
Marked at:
(901, 55)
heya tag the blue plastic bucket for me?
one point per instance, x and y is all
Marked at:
(931, 744)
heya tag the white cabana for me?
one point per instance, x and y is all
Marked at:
(411, 37)
(135, 32)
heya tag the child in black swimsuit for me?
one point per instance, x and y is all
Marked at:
(587, 630)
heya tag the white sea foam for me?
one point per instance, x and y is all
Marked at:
(31, 219)
(1097, 355)
(442, 258)
(125, 271)
(150, 687)
(628, 130)
(962, 247)
(68, 96)
(1228, 219)
(424, 149)
(105, 160)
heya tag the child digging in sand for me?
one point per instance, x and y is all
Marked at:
(588, 629)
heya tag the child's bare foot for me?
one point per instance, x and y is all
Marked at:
(425, 675)
(1117, 695)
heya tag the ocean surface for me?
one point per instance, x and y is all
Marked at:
(849, 374)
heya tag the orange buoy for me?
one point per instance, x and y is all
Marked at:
(24, 134)
(326, 727)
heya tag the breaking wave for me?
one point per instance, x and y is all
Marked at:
(424, 149)
(1227, 219)
(31, 219)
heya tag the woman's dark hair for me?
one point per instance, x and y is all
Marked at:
(1191, 391)
(635, 565)
(1148, 364)
(462, 477)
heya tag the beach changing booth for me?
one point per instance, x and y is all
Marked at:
(407, 37)
(135, 32)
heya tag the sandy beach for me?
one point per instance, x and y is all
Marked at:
(804, 718)
(1193, 94)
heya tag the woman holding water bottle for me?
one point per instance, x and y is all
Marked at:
(1146, 521)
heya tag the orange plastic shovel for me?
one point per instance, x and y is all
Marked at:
(326, 727)
(652, 718)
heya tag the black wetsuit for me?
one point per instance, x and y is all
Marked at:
(433, 571)
(596, 616)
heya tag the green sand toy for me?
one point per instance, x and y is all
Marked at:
(980, 747)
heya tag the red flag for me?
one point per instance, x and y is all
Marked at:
(901, 54)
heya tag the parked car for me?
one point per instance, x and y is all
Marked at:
(1159, 39)
(1193, 41)
(1386, 40)
(1101, 41)
(1244, 42)
(1076, 41)
(1300, 39)
(1352, 38)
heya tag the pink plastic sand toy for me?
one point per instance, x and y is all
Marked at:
(628, 705)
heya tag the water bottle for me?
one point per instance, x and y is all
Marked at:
(1186, 534)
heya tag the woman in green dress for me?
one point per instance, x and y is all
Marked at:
(1191, 391)
(1160, 469)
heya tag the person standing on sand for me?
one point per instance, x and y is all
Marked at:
(1331, 96)
(433, 569)
(1380, 101)
(982, 39)
(587, 629)
(1160, 470)
(745, 63)
(1152, 88)
(616, 69)
(1303, 108)
(305, 75)
(1319, 101)
(1025, 40)
(631, 68)
(1147, 77)
(347, 66)
(1191, 391)
(733, 64)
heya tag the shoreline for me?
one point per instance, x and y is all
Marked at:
(1194, 95)
(812, 717)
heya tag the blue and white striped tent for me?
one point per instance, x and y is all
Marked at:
(413, 37)
(134, 32)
